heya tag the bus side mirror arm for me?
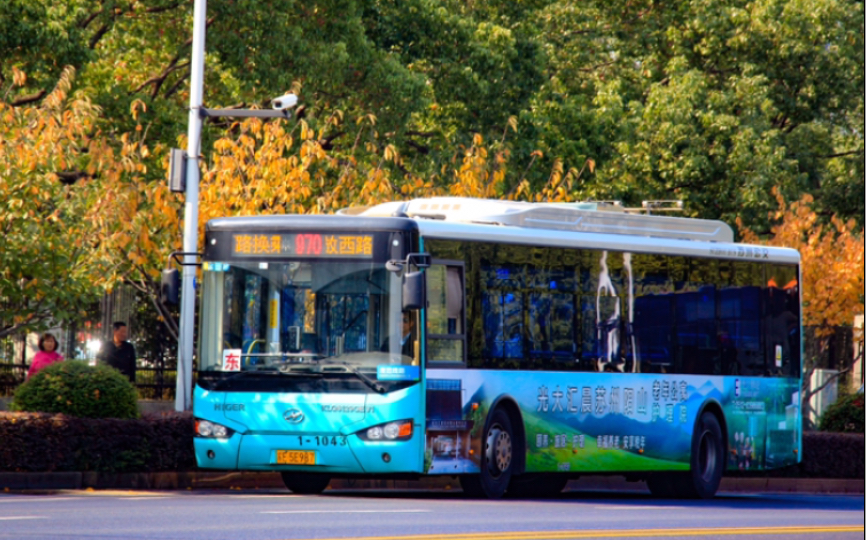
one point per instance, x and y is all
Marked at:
(418, 260)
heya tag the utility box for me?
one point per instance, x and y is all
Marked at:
(177, 171)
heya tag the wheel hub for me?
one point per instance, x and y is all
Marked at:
(499, 451)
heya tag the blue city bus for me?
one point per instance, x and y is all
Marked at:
(512, 345)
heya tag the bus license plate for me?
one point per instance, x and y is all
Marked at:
(295, 457)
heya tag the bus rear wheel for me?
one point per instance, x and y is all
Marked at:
(497, 460)
(707, 465)
(708, 460)
(306, 483)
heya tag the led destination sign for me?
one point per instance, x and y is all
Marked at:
(302, 245)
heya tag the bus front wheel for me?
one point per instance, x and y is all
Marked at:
(306, 483)
(497, 460)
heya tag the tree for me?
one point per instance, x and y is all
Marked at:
(718, 102)
(712, 102)
(53, 160)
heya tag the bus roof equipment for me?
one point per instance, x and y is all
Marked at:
(578, 217)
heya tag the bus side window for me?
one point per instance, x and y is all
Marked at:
(446, 334)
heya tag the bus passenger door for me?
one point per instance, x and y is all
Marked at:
(447, 423)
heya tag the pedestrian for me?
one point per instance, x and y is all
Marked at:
(119, 353)
(46, 356)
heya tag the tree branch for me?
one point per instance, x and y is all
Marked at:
(97, 36)
(70, 177)
(425, 134)
(326, 143)
(419, 147)
(84, 23)
(832, 378)
(161, 9)
(24, 100)
(158, 80)
(841, 154)
(174, 88)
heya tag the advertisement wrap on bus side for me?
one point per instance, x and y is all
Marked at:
(605, 422)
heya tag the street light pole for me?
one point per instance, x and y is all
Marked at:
(183, 401)
(197, 113)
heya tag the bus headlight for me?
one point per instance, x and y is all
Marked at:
(211, 430)
(400, 430)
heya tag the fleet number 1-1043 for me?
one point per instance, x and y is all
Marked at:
(322, 440)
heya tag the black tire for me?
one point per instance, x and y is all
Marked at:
(707, 463)
(497, 460)
(706, 468)
(306, 483)
(536, 486)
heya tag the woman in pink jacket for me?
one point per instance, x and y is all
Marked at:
(46, 356)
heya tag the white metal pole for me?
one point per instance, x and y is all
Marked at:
(183, 401)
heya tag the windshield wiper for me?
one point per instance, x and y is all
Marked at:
(352, 369)
(222, 383)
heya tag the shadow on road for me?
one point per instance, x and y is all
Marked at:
(638, 499)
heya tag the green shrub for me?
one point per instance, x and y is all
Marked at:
(844, 416)
(77, 389)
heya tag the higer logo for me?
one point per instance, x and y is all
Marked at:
(293, 416)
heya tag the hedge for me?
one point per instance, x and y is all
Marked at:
(832, 455)
(41, 442)
(845, 415)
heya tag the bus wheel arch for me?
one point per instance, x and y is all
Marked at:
(501, 439)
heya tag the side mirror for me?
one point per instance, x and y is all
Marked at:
(414, 288)
(169, 289)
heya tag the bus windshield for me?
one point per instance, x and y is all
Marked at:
(308, 319)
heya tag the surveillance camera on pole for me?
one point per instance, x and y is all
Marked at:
(284, 102)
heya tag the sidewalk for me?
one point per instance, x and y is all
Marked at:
(249, 480)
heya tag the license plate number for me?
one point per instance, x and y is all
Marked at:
(295, 457)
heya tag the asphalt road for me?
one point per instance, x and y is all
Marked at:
(417, 515)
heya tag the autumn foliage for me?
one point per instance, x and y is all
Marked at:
(282, 167)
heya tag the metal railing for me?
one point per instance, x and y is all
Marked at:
(11, 375)
(155, 383)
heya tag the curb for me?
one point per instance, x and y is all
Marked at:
(194, 480)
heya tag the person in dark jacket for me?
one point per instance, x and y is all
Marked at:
(407, 342)
(119, 353)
